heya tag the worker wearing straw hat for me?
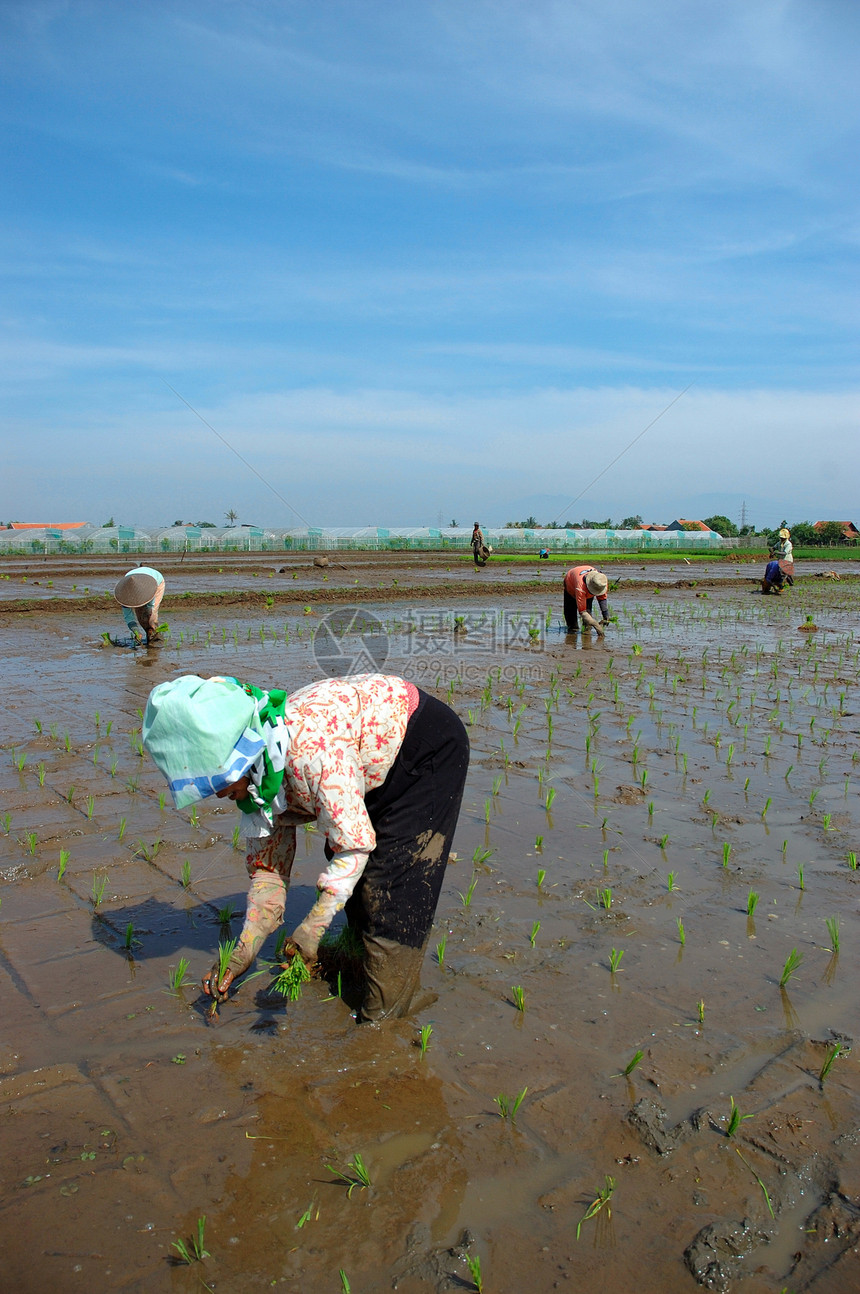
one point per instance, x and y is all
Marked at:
(139, 593)
(582, 584)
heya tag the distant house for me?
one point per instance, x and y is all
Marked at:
(681, 524)
(45, 525)
(849, 530)
(652, 526)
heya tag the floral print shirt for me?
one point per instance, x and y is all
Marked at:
(345, 734)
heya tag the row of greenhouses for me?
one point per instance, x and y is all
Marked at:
(193, 539)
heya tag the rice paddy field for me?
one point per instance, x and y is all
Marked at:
(640, 1067)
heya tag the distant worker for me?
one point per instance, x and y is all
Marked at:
(582, 584)
(543, 554)
(139, 593)
(781, 557)
(480, 551)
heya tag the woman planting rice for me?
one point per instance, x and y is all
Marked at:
(139, 593)
(377, 763)
(582, 584)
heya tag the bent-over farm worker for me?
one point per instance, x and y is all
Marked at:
(139, 593)
(582, 584)
(775, 577)
(377, 763)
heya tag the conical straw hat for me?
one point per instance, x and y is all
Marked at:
(135, 590)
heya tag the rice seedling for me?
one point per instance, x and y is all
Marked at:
(7, 822)
(615, 955)
(130, 940)
(32, 842)
(800, 881)
(345, 1287)
(600, 1201)
(706, 797)
(67, 742)
(826, 820)
(64, 858)
(176, 975)
(664, 840)
(852, 860)
(122, 826)
(193, 1250)
(289, 982)
(604, 898)
(149, 852)
(360, 1177)
(185, 874)
(481, 856)
(727, 853)
(792, 963)
(735, 1118)
(682, 934)
(508, 1105)
(768, 802)
(700, 1010)
(40, 773)
(550, 796)
(633, 1063)
(474, 1265)
(70, 794)
(226, 914)
(424, 1039)
(670, 883)
(833, 1055)
(541, 877)
(519, 997)
(466, 899)
(440, 950)
(760, 1182)
(752, 903)
(91, 805)
(832, 924)
(534, 933)
(98, 889)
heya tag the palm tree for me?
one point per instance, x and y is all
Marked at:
(232, 517)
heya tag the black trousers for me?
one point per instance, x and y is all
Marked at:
(414, 813)
(570, 612)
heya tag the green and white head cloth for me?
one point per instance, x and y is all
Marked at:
(205, 733)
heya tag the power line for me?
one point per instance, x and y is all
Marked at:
(226, 442)
(623, 452)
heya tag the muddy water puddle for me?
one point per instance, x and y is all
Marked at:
(678, 800)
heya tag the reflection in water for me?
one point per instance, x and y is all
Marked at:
(364, 1091)
(792, 1019)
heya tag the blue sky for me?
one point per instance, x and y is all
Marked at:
(420, 259)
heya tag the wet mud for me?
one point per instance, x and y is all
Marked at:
(677, 801)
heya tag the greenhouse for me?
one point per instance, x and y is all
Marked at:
(256, 539)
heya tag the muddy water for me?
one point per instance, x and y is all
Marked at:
(705, 738)
(272, 574)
